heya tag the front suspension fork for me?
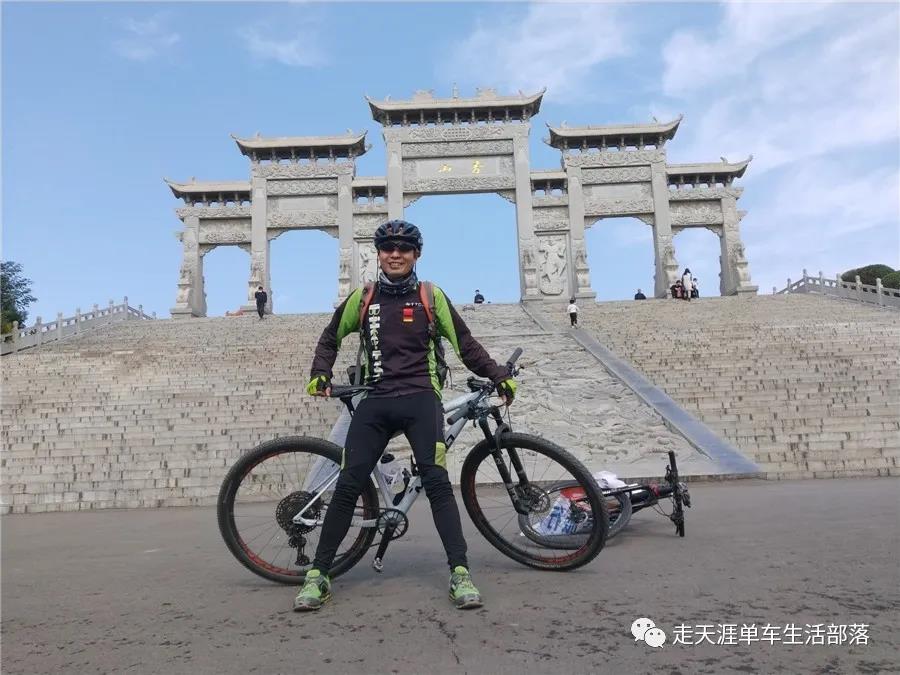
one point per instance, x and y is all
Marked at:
(515, 461)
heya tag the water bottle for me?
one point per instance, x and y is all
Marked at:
(390, 468)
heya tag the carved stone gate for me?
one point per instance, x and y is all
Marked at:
(463, 145)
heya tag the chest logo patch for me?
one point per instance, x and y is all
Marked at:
(407, 315)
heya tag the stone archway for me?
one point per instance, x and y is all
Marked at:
(464, 145)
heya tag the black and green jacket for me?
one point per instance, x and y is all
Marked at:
(399, 352)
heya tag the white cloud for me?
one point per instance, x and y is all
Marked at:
(554, 45)
(826, 81)
(146, 39)
(811, 90)
(300, 47)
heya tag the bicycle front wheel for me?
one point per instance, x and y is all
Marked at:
(536, 468)
(266, 488)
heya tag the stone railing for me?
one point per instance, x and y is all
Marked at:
(41, 333)
(853, 290)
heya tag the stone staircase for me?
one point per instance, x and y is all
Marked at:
(807, 386)
(151, 413)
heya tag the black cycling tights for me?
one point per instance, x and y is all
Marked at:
(420, 418)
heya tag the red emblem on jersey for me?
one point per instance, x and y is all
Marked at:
(407, 314)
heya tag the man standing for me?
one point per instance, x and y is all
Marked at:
(261, 299)
(639, 295)
(401, 368)
(479, 298)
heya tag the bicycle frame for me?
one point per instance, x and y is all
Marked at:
(413, 487)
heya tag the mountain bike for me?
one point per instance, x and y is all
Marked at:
(273, 501)
(571, 512)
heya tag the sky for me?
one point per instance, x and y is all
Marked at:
(101, 101)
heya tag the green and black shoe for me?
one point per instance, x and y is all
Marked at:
(315, 592)
(462, 591)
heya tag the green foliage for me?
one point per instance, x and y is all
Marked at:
(15, 294)
(891, 280)
(868, 274)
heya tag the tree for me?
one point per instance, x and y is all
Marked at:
(867, 274)
(891, 280)
(15, 294)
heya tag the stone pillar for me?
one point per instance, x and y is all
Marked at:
(579, 271)
(394, 179)
(259, 245)
(524, 215)
(735, 273)
(666, 265)
(190, 300)
(345, 236)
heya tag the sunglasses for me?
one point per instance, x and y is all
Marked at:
(391, 246)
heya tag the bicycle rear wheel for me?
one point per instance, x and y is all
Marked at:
(544, 465)
(266, 488)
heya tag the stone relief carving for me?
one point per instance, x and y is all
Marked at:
(630, 174)
(696, 213)
(185, 284)
(553, 264)
(550, 219)
(648, 218)
(666, 259)
(508, 195)
(582, 271)
(344, 277)
(549, 200)
(410, 199)
(303, 170)
(706, 194)
(612, 207)
(213, 212)
(738, 257)
(225, 233)
(312, 186)
(364, 225)
(460, 184)
(368, 262)
(363, 209)
(529, 267)
(302, 220)
(626, 158)
(457, 149)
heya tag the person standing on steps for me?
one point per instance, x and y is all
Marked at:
(687, 284)
(398, 336)
(640, 295)
(479, 298)
(573, 313)
(261, 299)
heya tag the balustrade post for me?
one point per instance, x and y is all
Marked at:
(805, 277)
(127, 313)
(858, 289)
(59, 325)
(822, 280)
(110, 310)
(788, 287)
(140, 311)
(15, 336)
(774, 290)
(77, 320)
(879, 291)
(39, 331)
(96, 311)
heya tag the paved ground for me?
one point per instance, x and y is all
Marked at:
(157, 592)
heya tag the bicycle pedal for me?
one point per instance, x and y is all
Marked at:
(378, 565)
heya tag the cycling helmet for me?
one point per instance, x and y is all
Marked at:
(399, 230)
